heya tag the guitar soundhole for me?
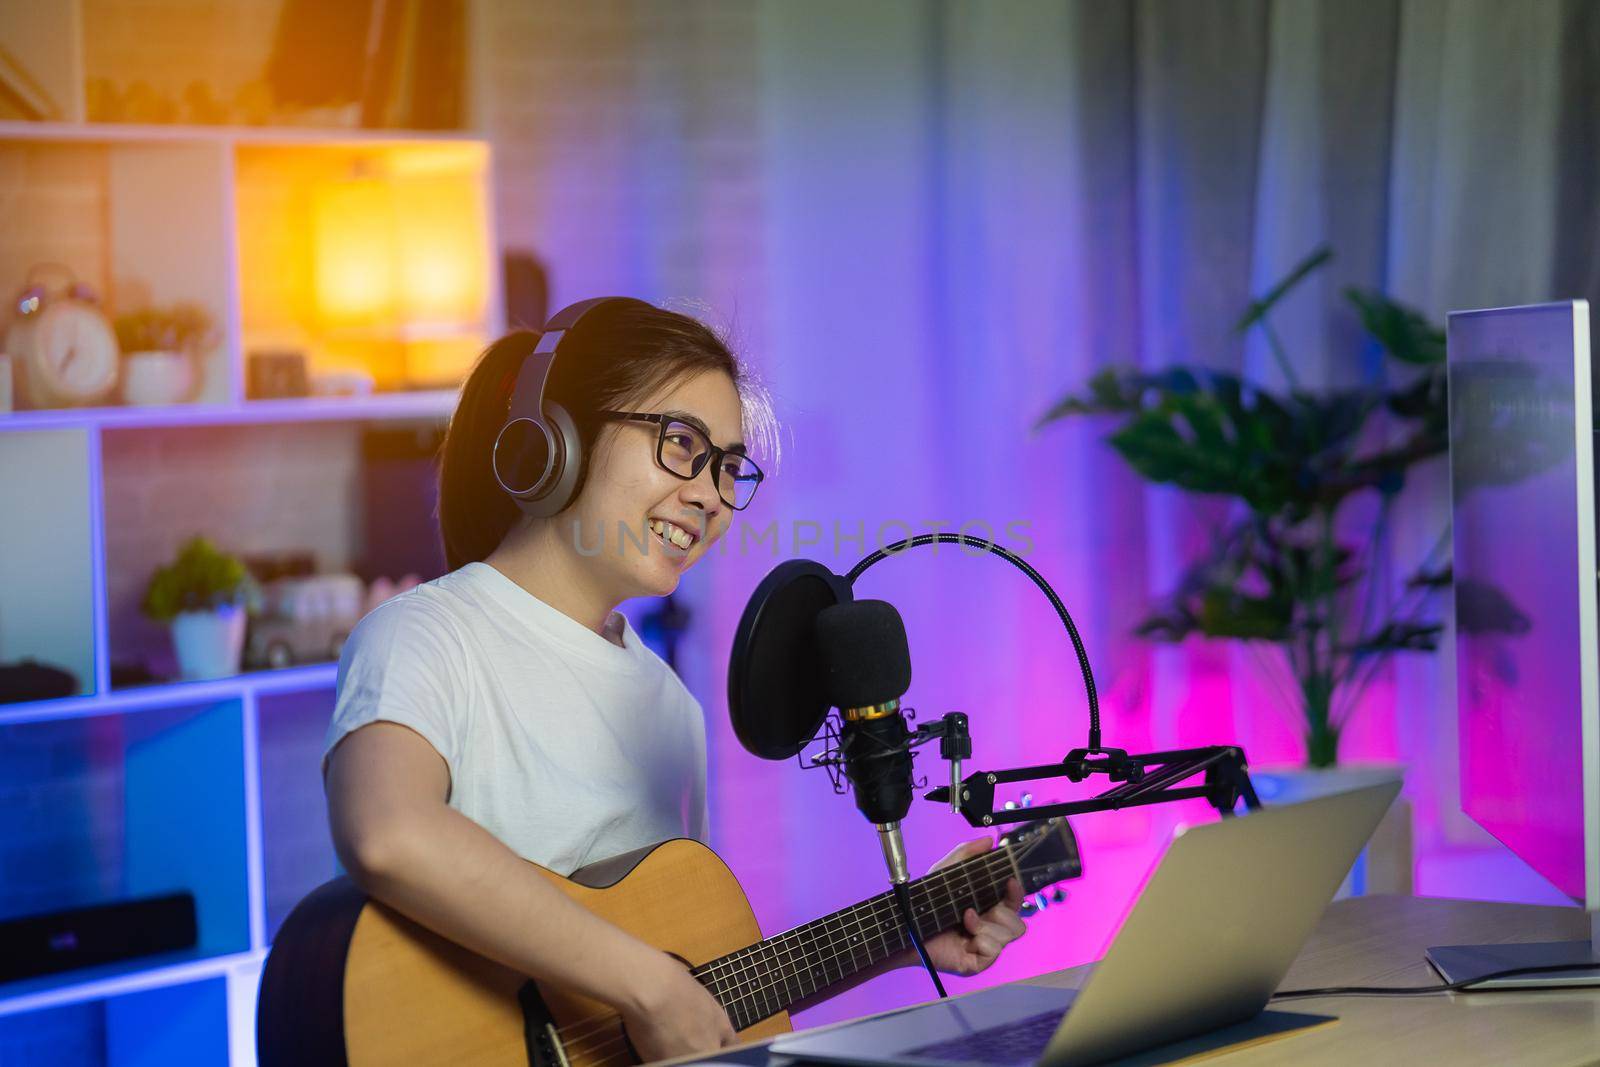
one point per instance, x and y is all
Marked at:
(633, 1053)
(604, 1045)
(536, 1021)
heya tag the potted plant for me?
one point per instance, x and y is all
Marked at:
(205, 594)
(161, 349)
(1294, 565)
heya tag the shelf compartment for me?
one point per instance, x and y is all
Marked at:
(105, 808)
(47, 609)
(298, 847)
(142, 224)
(168, 1024)
(229, 484)
(363, 499)
(375, 259)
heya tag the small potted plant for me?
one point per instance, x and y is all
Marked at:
(206, 595)
(160, 347)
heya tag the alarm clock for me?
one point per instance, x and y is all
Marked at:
(63, 346)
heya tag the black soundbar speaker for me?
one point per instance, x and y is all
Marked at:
(34, 945)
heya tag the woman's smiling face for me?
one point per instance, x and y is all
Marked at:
(634, 518)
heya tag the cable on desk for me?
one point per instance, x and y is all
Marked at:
(1466, 985)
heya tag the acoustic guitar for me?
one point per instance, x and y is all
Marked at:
(350, 981)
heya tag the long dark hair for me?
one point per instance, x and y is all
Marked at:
(614, 357)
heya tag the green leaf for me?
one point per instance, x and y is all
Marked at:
(1171, 625)
(1436, 579)
(1112, 391)
(1153, 446)
(178, 328)
(1204, 417)
(1334, 418)
(201, 578)
(1399, 637)
(1404, 333)
(1227, 613)
(1259, 308)
(1424, 398)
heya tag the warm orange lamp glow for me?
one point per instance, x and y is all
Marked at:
(355, 253)
(443, 271)
(403, 257)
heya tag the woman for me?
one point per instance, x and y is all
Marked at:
(506, 712)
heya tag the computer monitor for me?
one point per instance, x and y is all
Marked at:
(1522, 479)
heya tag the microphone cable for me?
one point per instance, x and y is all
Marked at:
(902, 895)
(1038, 579)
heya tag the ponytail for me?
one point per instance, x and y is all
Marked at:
(475, 514)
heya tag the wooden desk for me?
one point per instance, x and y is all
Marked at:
(1380, 940)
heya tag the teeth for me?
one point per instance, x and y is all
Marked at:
(674, 534)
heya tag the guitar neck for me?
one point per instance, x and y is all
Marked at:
(769, 976)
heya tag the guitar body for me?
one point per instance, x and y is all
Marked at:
(352, 981)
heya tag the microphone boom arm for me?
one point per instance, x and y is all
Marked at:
(1034, 576)
(1151, 778)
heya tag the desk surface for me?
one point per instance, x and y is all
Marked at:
(1380, 940)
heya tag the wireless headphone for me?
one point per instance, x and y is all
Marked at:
(538, 456)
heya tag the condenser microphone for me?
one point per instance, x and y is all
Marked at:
(866, 669)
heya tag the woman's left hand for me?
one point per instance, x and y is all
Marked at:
(976, 944)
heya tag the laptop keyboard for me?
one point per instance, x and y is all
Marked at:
(1022, 1041)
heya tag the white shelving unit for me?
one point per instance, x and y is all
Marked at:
(138, 698)
(216, 216)
(422, 404)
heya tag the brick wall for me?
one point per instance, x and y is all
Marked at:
(54, 208)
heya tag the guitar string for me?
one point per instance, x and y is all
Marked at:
(741, 1009)
(941, 880)
(929, 888)
(746, 991)
(591, 1043)
(591, 1049)
(765, 954)
(884, 915)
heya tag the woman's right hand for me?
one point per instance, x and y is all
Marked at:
(672, 1014)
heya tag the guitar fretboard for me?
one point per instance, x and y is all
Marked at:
(769, 976)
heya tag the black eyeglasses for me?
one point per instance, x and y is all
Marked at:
(683, 450)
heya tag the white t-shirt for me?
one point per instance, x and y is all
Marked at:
(565, 746)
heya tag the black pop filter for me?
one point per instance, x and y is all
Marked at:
(865, 658)
(776, 696)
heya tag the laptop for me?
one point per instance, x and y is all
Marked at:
(1221, 918)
